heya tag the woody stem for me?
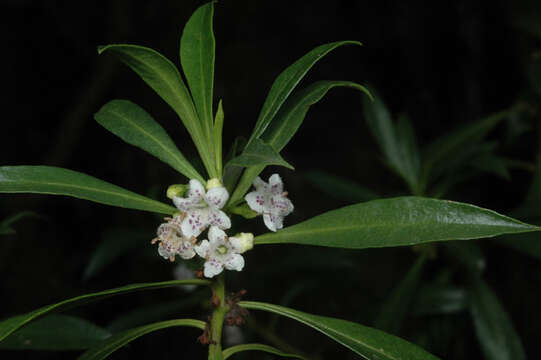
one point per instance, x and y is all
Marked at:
(217, 319)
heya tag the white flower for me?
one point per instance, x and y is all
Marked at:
(203, 208)
(172, 241)
(271, 201)
(219, 252)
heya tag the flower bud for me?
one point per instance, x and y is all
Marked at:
(246, 241)
(214, 183)
(177, 190)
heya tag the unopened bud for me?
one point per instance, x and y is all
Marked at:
(177, 190)
(214, 183)
(246, 241)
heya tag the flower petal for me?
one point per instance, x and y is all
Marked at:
(236, 244)
(195, 222)
(276, 185)
(193, 198)
(217, 236)
(259, 184)
(219, 218)
(212, 268)
(273, 222)
(256, 201)
(203, 249)
(234, 262)
(186, 250)
(281, 205)
(217, 197)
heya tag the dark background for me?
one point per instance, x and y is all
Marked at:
(442, 63)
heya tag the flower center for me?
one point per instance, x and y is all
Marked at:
(221, 249)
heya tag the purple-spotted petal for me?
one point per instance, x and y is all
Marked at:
(217, 197)
(186, 250)
(216, 236)
(219, 218)
(212, 268)
(193, 198)
(203, 249)
(276, 185)
(195, 222)
(256, 201)
(281, 205)
(234, 262)
(273, 222)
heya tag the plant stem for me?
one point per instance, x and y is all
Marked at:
(217, 320)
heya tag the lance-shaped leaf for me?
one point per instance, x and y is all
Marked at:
(396, 142)
(57, 333)
(259, 153)
(395, 308)
(163, 76)
(498, 338)
(197, 59)
(370, 343)
(10, 325)
(59, 181)
(397, 222)
(227, 353)
(115, 342)
(135, 126)
(286, 123)
(218, 130)
(287, 81)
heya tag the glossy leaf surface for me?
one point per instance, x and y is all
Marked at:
(257, 347)
(164, 78)
(117, 341)
(370, 343)
(287, 81)
(59, 181)
(57, 333)
(397, 222)
(498, 338)
(10, 325)
(135, 126)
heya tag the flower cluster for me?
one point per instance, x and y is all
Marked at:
(200, 209)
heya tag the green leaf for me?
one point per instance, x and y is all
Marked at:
(59, 181)
(57, 333)
(395, 307)
(114, 243)
(227, 353)
(445, 147)
(218, 130)
(10, 325)
(340, 188)
(367, 342)
(232, 173)
(397, 222)
(292, 114)
(397, 144)
(135, 126)
(115, 342)
(163, 76)
(259, 153)
(197, 59)
(498, 338)
(5, 225)
(287, 81)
